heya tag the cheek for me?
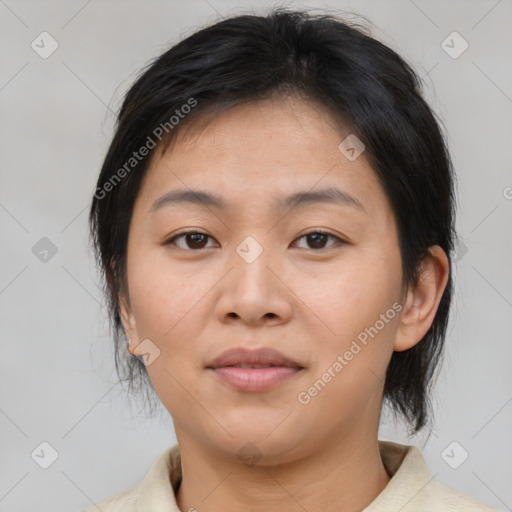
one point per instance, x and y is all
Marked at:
(350, 295)
(162, 296)
(349, 372)
(355, 310)
(167, 307)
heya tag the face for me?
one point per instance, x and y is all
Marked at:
(260, 273)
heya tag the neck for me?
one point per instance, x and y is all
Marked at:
(343, 476)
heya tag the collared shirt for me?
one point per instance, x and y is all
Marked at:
(411, 488)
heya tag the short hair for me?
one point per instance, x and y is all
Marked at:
(361, 82)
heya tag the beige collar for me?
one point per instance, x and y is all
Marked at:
(405, 464)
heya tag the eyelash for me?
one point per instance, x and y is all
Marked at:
(171, 240)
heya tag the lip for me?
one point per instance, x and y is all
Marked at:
(255, 379)
(234, 368)
(245, 356)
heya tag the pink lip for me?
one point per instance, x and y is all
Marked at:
(234, 368)
(255, 379)
(260, 356)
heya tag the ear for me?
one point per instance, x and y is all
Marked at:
(129, 324)
(422, 301)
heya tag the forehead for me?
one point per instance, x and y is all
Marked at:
(262, 151)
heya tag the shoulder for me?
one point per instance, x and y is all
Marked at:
(413, 489)
(447, 499)
(124, 501)
(154, 492)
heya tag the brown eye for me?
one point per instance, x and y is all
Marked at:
(318, 239)
(193, 240)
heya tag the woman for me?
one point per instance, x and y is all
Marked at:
(274, 220)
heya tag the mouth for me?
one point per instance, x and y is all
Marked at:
(254, 378)
(250, 365)
(257, 370)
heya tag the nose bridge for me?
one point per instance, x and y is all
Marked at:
(252, 257)
(253, 290)
(253, 248)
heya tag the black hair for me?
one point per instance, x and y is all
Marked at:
(360, 81)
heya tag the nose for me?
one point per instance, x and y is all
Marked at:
(254, 291)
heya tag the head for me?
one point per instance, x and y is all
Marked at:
(354, 286)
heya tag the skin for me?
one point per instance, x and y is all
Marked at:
(195, 298)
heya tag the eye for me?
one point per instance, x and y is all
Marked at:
(318, 238)
(194, 239)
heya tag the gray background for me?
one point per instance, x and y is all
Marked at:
(57, 378)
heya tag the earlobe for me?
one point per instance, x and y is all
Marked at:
(422, 301)
(129, 324)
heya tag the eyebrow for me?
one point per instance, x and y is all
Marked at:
(331, 195)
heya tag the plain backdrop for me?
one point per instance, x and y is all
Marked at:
(58, 384)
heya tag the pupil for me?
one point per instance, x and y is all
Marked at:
(196, 238)
(315, 236)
